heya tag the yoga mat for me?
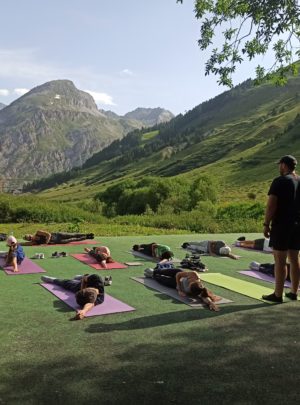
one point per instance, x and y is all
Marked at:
(150, 258)
(133, 263)
(207, 254)
(26, 267)
(109, 306)
(171, 292)
(252, 250)
(92, 262)
(261, 276)
(78, 242)
(240, 286)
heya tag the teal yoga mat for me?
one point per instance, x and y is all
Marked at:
(240, 286)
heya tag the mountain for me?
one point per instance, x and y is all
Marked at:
(150, 116)
(2, 106)
(55, 127)
(235, 137)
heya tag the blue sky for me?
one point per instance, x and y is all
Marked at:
(127, 53)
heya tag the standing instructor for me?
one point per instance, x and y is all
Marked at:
(282, 225)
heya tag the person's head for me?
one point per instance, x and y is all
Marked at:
(103, 257)
(11, 241)
(185, 245)
(136, 247)
(28, 237)
(167, 255)
(86, 296)
(287, 164)
(225, 251)
(196, 288)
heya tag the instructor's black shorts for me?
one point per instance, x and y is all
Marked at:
(284, 237)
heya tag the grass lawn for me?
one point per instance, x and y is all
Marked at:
(164, 352)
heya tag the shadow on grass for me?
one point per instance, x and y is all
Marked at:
(169, 318)
(234, 360)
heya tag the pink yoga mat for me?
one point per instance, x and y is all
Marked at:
(26, 267)
(261, 276)
(90, 261)
(110, 305)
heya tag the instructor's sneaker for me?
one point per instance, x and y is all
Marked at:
(48, 279)
(291, 296)
(272, 298)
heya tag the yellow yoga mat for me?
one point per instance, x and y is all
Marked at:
(240, 286)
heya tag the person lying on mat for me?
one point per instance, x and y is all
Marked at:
(158, 251)
(211, 247)
(257, 244)
(186, 283)
(15, 254)
(269, 268)
(101, 254)
(45, 238)
(88, 290)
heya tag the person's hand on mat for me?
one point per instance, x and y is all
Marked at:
(181, 293)
(79, 315)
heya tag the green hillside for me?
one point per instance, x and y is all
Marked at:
(235, 137)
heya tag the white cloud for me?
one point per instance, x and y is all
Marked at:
(126, 72)
(4, 92)
(20, 92)
(101, 98)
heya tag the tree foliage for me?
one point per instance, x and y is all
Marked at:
(250, 28)
(156, 194)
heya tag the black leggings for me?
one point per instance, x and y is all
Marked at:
(166, 277)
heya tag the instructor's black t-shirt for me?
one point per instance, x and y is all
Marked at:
(286, 189)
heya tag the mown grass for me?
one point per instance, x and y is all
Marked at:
(163, 352)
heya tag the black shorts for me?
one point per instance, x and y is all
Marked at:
(285, 237)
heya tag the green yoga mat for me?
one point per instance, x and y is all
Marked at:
(234, 284)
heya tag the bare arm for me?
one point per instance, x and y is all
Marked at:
(210, 248)
(211, 305)
(83, 282)
(44, 233)
(82, 312)
(269, 213)
(232, 256)
(153, 247)
(179, 276)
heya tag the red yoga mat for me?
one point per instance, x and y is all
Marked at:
(90, 261)
(77, 242)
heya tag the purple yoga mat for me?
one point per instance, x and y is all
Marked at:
(110, 305)
(261, 276)
(26, 267)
